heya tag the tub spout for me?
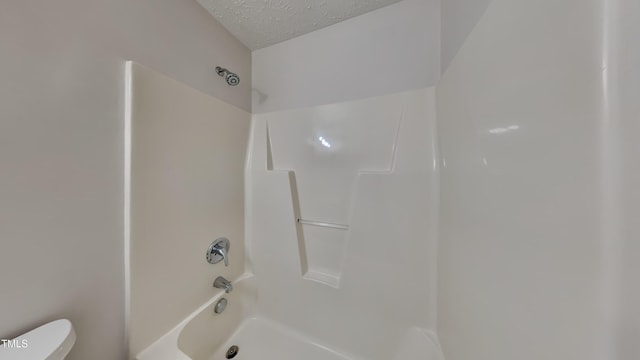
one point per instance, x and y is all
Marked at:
(222, 283)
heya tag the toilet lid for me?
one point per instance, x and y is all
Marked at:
(47, 342)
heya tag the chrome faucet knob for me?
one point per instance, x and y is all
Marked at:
(219, 250)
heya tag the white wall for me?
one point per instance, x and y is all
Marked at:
(187, 182)
(61, 149)
(520, 117)
(459, 17)
(392, 49)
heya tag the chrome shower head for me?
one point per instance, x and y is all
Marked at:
(232, 78)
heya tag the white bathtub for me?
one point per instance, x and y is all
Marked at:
(201, 333)
(205, 335)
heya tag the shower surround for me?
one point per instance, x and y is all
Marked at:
(482, 218)
(341, 228)
(370, 167)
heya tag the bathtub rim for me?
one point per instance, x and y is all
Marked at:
(166, 346)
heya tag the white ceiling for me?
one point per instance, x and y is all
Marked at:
(260, 23)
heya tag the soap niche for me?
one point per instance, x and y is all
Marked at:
(325, 249)
(322, 245)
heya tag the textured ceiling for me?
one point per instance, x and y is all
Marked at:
(260, 23)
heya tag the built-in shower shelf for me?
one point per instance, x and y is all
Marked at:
(322, 249)
(323, 224)
(332, 280)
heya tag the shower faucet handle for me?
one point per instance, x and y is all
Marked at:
(221, 252)
(218, 251)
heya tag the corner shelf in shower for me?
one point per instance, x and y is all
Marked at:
(322, 250)
(323, 224)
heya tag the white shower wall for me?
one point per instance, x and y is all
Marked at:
(323, 149)
(537, 224)
(369, 290)
(528, 215)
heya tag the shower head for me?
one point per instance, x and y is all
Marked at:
(232, 79)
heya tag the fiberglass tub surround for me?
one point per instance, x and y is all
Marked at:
(524, 194)
(539, 188)
(357, 271)
(341, 233)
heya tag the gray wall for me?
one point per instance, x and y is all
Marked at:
(61, 149)
(624, 60)
(459, 17)
(392, 49)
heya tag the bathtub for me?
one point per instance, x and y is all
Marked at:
(205, 335)
(203, 332)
